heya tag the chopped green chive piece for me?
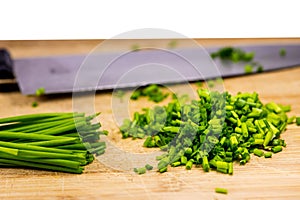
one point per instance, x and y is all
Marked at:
(298, 121)
(34, 104)
(236, 55)
(162, 170)
(189, 164)
(277, 149)
(282, 52)
(230, 169)
(176, 164)
(233, 54)
(268, 155)
(148, 167)
(221, 190)
(40, 91)
(199, 83)
(259, 69)
(248, 69)
(139, 171)
(183, 160)
(205, 164)
(258, 152)
(268, 138)
(291, 120)
(153, 92)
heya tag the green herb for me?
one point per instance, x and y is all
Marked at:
(50, 141)
(141, 170)
(277, 149)
(40, 91)
(282, 52)
(233, 54)
(153, 92)
(291, 120)
(34, 104)
(221, 190)
(248, 69)
(259, 69)
(298, 121)
(148, 167)
(236, 55)
(213, 131)
(268, 155)
(258, 152)
(199, 83)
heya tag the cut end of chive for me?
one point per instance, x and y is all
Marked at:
(221, 190)
(34, 104)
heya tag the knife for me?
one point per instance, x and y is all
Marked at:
(100, 71)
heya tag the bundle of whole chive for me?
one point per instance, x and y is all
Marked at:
(53, 141)
(211, 132)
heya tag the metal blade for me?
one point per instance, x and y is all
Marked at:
(63, 74)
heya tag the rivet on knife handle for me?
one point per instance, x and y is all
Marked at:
(6, 71)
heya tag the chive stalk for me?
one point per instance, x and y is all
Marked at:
(50, 141)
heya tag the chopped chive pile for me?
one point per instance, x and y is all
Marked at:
(50, 141)
(213, 132)
(153, 92)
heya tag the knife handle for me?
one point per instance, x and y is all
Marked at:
(6, 63)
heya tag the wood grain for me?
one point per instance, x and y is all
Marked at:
(276, 178)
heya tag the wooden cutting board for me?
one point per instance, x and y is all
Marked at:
(276, 178)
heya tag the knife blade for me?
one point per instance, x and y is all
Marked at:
(99, 71)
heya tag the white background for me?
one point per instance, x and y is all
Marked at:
(45, 19)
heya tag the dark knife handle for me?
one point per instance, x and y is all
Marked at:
(6, 63)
